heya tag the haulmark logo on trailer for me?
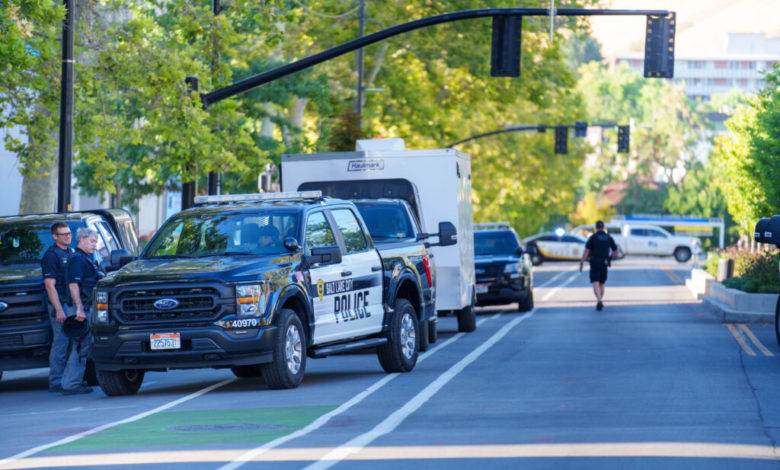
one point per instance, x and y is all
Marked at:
(366, 165)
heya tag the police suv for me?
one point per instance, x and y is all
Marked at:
(257, 283)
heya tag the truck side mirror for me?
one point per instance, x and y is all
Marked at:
(291, 244)
(531, 250)
(448, 235)
(519, 252)
(119, 258)
(325, 255)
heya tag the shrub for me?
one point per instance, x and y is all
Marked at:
(753, 272)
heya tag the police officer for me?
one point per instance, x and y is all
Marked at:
(83, 274)
(601, 248)
(54, 265)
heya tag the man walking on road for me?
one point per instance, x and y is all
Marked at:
(601, 248)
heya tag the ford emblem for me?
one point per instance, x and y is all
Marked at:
(3, 306)
(166, 304)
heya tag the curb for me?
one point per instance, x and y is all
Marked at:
(728, 314)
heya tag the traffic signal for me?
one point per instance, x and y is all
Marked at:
(623, 136)
(580, 129)
(505, 48)
(659, 46)
(561, 136)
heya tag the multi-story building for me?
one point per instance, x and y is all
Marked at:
(742, 67)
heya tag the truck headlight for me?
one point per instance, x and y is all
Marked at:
(101, 307)
(251, 299)
(511, 268)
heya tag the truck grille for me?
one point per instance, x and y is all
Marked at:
(195, 303)
(25, 305)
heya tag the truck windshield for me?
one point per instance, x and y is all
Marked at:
(494, 243)
(215, 233)
(386, 221)
(23, 242)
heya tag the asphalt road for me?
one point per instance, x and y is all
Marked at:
(652, 381)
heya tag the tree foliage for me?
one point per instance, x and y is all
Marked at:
(749, 156)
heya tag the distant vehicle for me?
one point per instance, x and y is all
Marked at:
(25, 328)
(435, 182)
(615, 230)
(655, 241)
(551, 246)
(257, 283)
(503, 269)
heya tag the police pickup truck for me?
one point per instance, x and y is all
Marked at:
(257, 283)
(25, 330)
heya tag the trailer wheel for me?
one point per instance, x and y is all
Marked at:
(289, 363)
(424, 335)
(120, 382)
(433, 331)
(527, 303)
(402, 348)
(467, 317)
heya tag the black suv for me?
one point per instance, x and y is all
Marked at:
(503, 272)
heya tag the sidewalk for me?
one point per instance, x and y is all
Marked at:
(731, 305)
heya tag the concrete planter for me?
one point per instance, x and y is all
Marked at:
(699, 283)
(733, 305)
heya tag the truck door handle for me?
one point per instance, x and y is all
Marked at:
(346, 273)
(376, 268)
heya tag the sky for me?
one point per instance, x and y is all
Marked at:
(702, 25)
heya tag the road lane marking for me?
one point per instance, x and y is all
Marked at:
(103, 427)
(755, 340)
(548, 295)
(699, 450)
(255, 453)
(740, 340)
(674, 277)
(397, 417)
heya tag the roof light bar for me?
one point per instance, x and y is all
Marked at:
(491, 225)
(258, 197)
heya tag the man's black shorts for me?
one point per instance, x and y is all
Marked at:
(598, 274)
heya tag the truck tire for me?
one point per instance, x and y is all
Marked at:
(400, 352)
(682, 254)
(527, 303)
(467, 317)
(247, 371)
(424, 328)
(120, 382)
(537, 258)
(289, 359)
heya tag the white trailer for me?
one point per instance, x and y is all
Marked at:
(437, 183)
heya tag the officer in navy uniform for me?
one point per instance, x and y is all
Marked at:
(601, 248)
(53, 266)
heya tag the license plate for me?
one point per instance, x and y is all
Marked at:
(165, 341)
(482, 288)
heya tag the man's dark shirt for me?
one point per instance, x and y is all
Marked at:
(53, 266)
(599, 245)
(83, 270)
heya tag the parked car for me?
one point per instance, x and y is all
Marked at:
(503, 269)
(257, 283)
(25, 328)
(554, 246)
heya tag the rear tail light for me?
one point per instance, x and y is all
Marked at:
(427, 264)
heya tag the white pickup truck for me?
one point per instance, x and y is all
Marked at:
(645, 239)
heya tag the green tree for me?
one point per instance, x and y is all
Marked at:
(749, 156)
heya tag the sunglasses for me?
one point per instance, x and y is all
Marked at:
(64, 234)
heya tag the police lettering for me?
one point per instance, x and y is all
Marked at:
(351, 306)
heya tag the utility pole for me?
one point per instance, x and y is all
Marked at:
(66, 111)
(361, 31)
(215, 178)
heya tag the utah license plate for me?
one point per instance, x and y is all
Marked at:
(482, 288)
(165, 341)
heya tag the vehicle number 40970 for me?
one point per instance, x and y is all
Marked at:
(352, 306)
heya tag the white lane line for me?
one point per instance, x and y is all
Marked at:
(396, 418)
(759, 344)
(322, 420)
(548, 295)
(76, 437)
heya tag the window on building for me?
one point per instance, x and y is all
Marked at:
(720, 82)
(743, 82)
(748, 65)
(721, 64)
(734, 65)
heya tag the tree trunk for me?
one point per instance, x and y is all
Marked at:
(39, 191)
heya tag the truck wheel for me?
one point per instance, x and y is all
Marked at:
(527, 303)
(90, 375)
(400, 352)
(537, 258)
(289, 361)
(467, 318)
(247, 371)
(682, 254)
(433, 331)
(120, 382)
(424, 335)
